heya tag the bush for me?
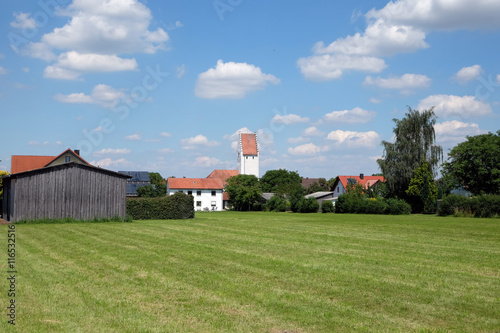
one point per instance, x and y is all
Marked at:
(347, 203)
(451, 203)
(327, 207)
(177, 206)
(480, 206)
(276, 204)
(309, 205)
(397, 207)
(371, 206)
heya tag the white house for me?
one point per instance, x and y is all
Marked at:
(248, 154)
(207, 193)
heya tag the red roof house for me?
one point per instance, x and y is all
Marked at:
(22, 163)
(343, 182)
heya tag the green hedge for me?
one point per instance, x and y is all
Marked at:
(327, 207)
(177, 206)
(359, 205)
(480, 206)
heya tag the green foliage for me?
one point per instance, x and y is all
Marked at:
(72, 220)
(2, 173)
(152, 191)
(475, 164)
(177, 206)
(327, 207)
(423, 190)
(282, 181)
(155, 178)
(414, 142)
(296, 199)
(322, 185)
(309, 205)
(276, 204)
(355, 204)
(480, 206)
(397, 207)
(244, 192)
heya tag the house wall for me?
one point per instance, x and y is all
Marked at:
(75, 192)
(62, 159)
(339, 190)
(206, 199)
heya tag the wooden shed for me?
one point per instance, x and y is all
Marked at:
(75, 190)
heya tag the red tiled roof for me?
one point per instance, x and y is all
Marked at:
(249, 143)
(223, 174)
(195, 183)
(366, 182)
(21, 163)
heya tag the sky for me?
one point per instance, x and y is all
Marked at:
(165, 86)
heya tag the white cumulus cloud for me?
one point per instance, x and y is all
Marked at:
(289, 119)
(305, 149)
(102, 95)
(406, 82)
(205, 161)
(353, 139)
(232, 80)
(198, 141)
(23, 21)
(111, 151)
(467, 74)
(356, 115)
(453, 132)
(455, 106)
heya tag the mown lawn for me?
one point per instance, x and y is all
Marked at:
(258, 272)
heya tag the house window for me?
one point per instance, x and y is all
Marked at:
(214, 203)
(198, 193)
(338, 189)
(68, 159)
(190, 192)
(198, 203)
(180, 191)
(213, 193)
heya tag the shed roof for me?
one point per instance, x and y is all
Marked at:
(249, 143)
(318, 195)
(195, 183)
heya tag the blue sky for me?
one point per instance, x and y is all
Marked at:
(165, 86)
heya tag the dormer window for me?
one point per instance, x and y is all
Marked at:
(68, 158)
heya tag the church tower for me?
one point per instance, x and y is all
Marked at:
(248, 154)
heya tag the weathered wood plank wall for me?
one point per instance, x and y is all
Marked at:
(75, 192)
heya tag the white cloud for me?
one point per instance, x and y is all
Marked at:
(375, 100)
(467, 74)
(205, 161)
(401, 26)
(305, 149)
(440, 14)
(455, 106)
(97, 33)
(324, 67)
(166, 150)
(25, 69)
(312, 131)
(134, 137)
(23, 21)
(197, 141)
(109, 162)
(110, 151)
(354, 139)
(165, 134)
(71, 65)
(3, 71)
(453, 132)
(356, 115)
(236, 135)
(102, 95)
(405, 82)
(232, 80)
(289, 119)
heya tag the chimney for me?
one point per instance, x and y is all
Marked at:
(77, 151)
(361, 176)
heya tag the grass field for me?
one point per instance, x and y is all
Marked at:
(258, 272)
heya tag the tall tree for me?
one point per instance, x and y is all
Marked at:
(155, 178)
(475, 164)
(280, 181)
(244, 192)
(415, 142)
(423, 190)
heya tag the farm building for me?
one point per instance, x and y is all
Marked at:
(73, 189)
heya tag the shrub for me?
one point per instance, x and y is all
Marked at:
(327, 207)
(371, 206)
(276, 204)
(177, 206)
(309, 205)
(451, 203)
(397, 207)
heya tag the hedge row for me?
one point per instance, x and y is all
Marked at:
(177, 206)
(354, 205)
(480, 206)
